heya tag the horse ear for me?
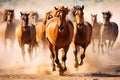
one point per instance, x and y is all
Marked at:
(13, 10)
(21, 13)
(95, 14)
(102, 12)
(82, 7)
(91, 14)
(74, 7)
(55, 8)
(28, 14)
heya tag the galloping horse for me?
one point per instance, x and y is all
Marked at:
(82, 33)
(26, 34)
(96, 31)
(40, 30)
(59, 34)
(8, 26)
(109, 31)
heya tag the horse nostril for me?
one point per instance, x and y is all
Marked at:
(61, 27)
(79, 25)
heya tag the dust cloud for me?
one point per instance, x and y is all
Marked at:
(11, 58)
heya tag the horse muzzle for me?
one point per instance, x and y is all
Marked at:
(80, 25)
(61, 28)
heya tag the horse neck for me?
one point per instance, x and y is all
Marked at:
(24, 25)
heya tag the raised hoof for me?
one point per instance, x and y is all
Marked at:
(76, 65)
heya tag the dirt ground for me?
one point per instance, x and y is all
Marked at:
(97, 66)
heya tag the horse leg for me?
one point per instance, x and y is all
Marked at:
(64, 53)
(30, 50)
(52, 56)
(23, 51)
(112, 45)
(102, 45)
(75, 51)
(109, 45)
(99, 46)
(93, 45)
(55, 51)
(83, 56)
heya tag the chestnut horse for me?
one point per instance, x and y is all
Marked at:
(59, 34)
(82, 33)
(96, 31)
(40, 30)
(7, 28)
(26, 34)
(109, 31)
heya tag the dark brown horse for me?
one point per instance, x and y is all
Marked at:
(8, 26)
(109, 31)
(59, 33)
(26, 34)
(82, 33)
(96, 31)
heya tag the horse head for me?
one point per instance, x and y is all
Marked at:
(106, 16)
(61, 13)
(33, 15)
(24, 19)
(8, 15)
(93, 18)
(79, 15)
(48, 16)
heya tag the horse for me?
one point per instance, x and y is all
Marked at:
(96, 31)
(109, 31)
(8, 26)
(59, 34)
(82, 33)
(40, 30)
(26, 34)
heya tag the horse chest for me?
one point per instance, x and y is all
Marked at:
(80, 37)
(10, 30)
(26, 36)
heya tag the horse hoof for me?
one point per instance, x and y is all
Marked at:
(53, 69)
(61, 73)
(65, 69)
(76, 65)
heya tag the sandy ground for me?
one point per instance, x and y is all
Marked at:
(97, 66)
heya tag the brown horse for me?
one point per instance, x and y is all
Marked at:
(109, 31)
(8, 26)
(59, 33)
(26, 34)
(40, 30)
(96, 31)
(82, 33)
